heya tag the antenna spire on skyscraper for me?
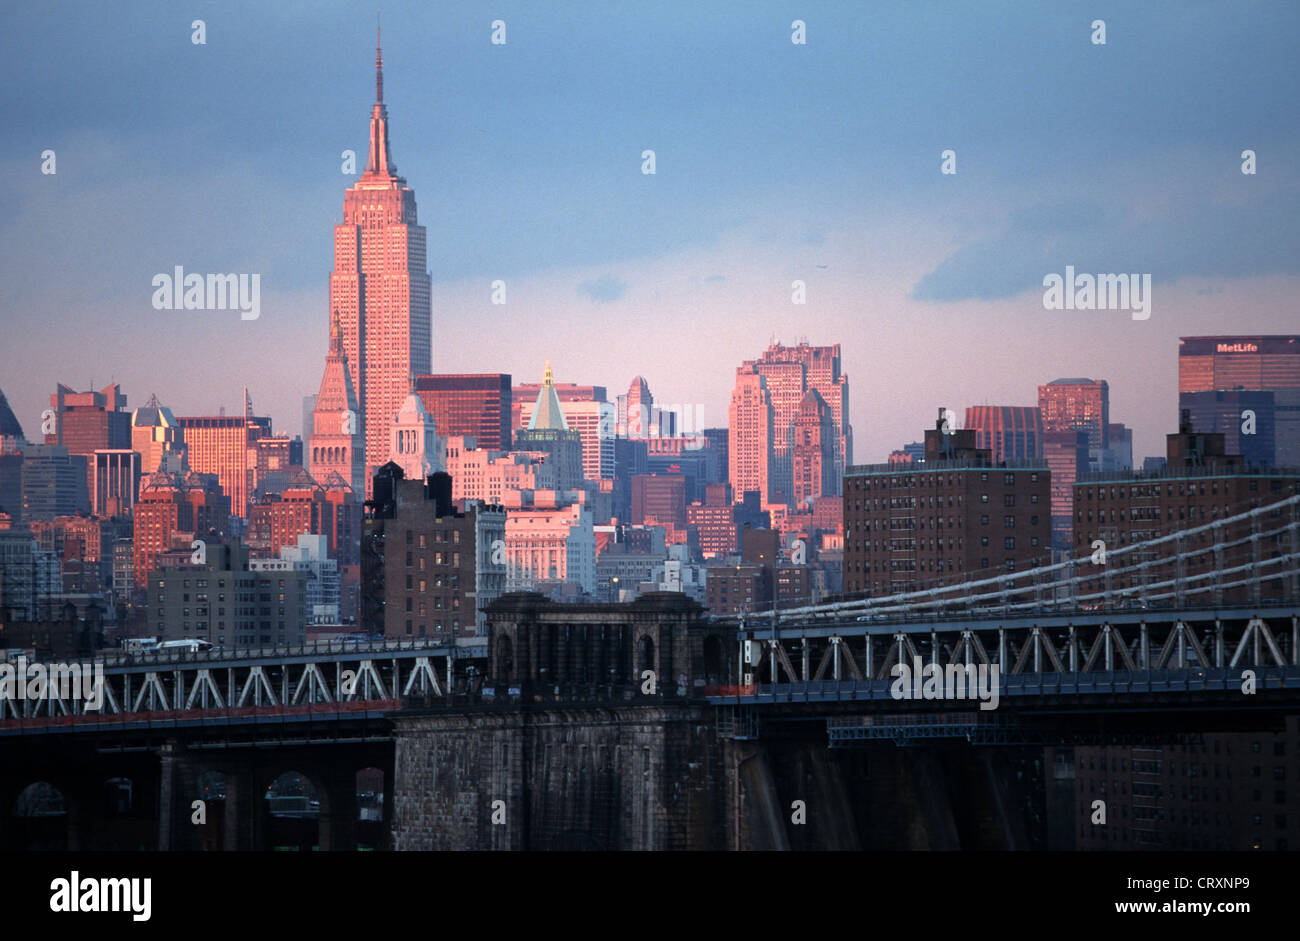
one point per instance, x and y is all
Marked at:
(379, 62)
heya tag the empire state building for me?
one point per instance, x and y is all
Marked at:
(380, 288)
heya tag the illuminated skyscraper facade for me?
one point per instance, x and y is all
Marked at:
(380, 288)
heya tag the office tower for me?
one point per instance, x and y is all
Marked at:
(380, 288)
(1066, 453)
(585, 411)
(11, 430)
(636, 416)
(307, 507)
(413, 442)
(719, 440)
(1078, 405)
(115, 480)
(54, 482)
(477, 406)
(158, 438)
(1011, 432)
(715, 521)
(191, 505)
(337, 444)
(790, 371)
(1245, 364)
(86, 422)
(812, 453)
(635, 409)
(659, 498)
(687, 455)
(1119, 455)
(1247, 421)
(11, 485)
(226, 446)
(1252, 363)
(548, 430)
(749, 446)
(953, 518)
(430, 568)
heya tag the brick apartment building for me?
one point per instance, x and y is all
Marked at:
(429, 568)
(957, 516)
(1199, 485)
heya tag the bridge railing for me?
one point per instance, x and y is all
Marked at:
(236, 654)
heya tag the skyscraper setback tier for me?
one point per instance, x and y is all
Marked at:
(380, 288)
(1078, 405)
(789, 372)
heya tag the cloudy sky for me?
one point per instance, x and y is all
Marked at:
(775, 162)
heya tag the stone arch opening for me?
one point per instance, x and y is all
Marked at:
(292, 813)
(40, 818)
(40, 799)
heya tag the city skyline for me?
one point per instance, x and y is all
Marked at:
(682, 275)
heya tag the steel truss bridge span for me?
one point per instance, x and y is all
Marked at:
(211, 688)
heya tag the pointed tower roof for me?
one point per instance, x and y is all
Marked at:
(9, 426)
(336, 392)
(380, 162)
(548, 414)
(153, 414)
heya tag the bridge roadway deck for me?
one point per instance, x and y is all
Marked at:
(1199, 686)
(923, 623)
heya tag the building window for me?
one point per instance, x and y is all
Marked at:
(1009, 542)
